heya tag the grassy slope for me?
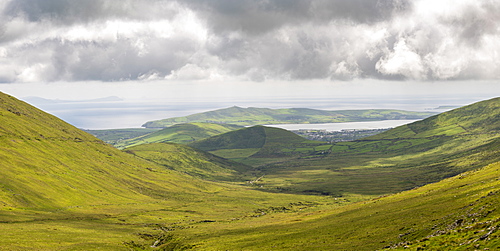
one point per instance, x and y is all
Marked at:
(261, 116)
(50, 164)
(181, 133)
(188, 160)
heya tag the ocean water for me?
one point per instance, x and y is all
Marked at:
(134, 113)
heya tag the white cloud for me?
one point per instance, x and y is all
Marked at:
(108, 40)
(402, 61)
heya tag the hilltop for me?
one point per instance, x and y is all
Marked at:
(261, 116)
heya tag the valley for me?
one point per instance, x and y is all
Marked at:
(432, 184)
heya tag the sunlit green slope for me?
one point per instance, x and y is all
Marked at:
(261, 116)
(181, 133)
(191, 161)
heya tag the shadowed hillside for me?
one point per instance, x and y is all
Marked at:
(259, 144)
(459, 213)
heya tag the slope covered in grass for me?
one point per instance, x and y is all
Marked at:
(261, 116)
(47, 163)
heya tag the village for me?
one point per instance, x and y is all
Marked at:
(337, 136)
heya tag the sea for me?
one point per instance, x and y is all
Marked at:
(116, 113)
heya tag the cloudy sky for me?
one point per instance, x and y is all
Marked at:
(66, 48)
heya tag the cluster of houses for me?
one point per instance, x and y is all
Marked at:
(337, 136)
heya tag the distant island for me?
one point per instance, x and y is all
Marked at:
(262, 116)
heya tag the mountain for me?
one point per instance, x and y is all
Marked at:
(259, 144)
(261, 116)
(399, 159)
(180, 133)
(47, 163)
(191, 161)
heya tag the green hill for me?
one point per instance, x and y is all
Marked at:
(181, 133)
(259, 144)
(261, 116)
(191, 161)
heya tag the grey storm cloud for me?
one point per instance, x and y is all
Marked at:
(67, 12)
(253, 16)
(106, 40)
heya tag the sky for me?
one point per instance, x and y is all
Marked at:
(253, 50)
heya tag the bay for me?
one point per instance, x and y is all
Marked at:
(345, 125)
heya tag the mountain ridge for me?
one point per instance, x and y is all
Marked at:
(261, 116)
